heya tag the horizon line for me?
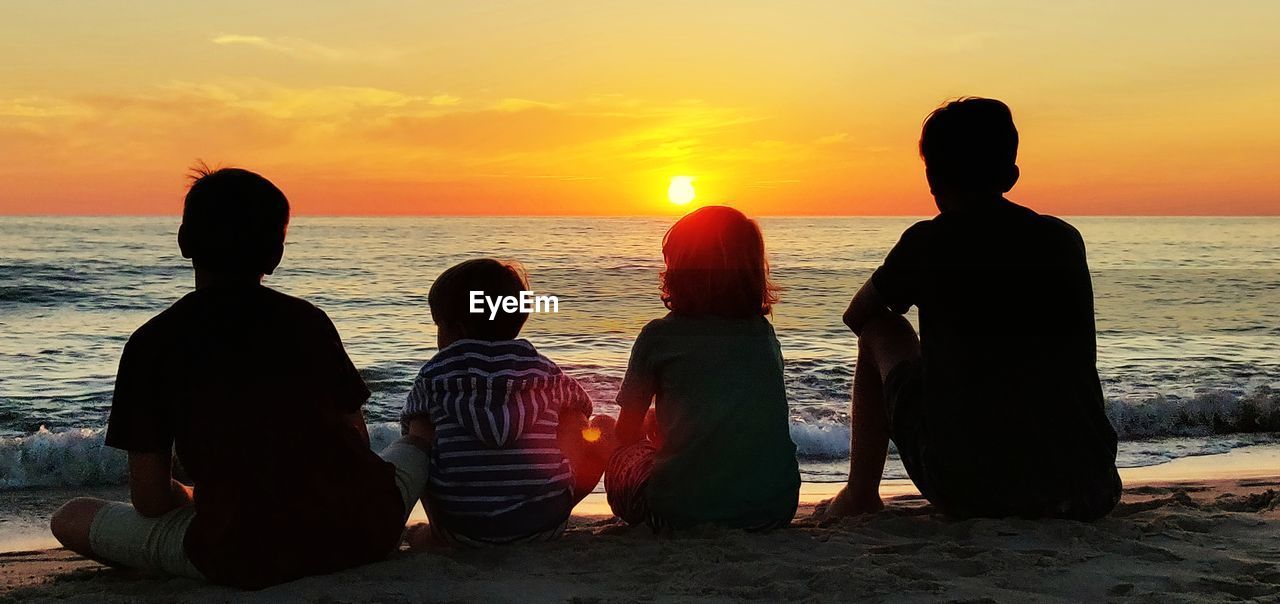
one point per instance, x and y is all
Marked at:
(633, 215)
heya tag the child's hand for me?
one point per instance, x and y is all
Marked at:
(421, 427)
(570, 430)
(599, 431)
(651, 428)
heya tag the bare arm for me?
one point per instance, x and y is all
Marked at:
(575, 415)
(152, 488)
(572, 423)
(356, 419)
(866, 305)
(635, 396)
(630, 427)
(420, 427)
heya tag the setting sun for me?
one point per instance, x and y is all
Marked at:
(681, 190)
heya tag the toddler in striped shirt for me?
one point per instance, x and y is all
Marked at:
(513, 446)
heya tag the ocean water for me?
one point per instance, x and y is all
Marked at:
(1188, 312)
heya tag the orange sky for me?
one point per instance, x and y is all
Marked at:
(592, 107)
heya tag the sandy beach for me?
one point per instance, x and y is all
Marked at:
(1197, 529)
(274, 274)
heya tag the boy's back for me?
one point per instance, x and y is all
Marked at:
(1008, 346)
(250, 386)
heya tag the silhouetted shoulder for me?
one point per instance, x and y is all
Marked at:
(1063, 229)
(158, 327)
(195, 307)
(660, 325)
(912, 241)
(1045, 228)
(922, 228)
(294, 306)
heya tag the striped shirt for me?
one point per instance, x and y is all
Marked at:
(497, 473)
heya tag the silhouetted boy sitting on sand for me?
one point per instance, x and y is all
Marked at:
(510, 457)
(996, 409)
(254, 392)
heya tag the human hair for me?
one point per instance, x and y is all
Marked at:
(450, 298)
(233, 220)
(970, 144)
(716, 266)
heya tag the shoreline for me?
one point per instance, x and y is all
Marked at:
(1256, 461)
(1192, 529)
(28, 524)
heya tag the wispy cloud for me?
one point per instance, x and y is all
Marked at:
(409, 146)
(325, 102)
(304, 49)
(35, 106)
(832, 139)
(773, 184)
(560, 177)
(514, 104)
(445, 100)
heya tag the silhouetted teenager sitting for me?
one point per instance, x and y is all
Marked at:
(254, 392)
(996, 409)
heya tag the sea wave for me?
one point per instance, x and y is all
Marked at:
(1209, 412)
(65, 458)
(79, 457)
(1156, 430)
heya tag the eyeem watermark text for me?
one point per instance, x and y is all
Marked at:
(526, 302)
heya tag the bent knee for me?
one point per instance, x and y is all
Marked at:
(890, 339)
(889, 331)
(71, 523)
(886, 326)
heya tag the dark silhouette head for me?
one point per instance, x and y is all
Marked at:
(716, 266)
(233, 222)
(970, 150)
(450, 301)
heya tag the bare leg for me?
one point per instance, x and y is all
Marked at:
(868, 435)
(70, 524)
(410, 457)
(885, 342)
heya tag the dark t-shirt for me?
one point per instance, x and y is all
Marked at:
(249, 387)
(1012, 402)
(717, 389)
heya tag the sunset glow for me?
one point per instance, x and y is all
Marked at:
(585, 108)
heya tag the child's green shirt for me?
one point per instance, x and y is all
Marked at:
(727, 455)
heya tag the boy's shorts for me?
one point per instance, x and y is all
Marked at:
(121, 535)
(904, 400)
(412, 464)
(958, 494)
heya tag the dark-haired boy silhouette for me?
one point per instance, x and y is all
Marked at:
(254, 393)
(996, 408)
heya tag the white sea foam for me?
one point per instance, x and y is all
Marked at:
(1158, 429)
(57, 459)
(821, 440)
(1201, 414)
